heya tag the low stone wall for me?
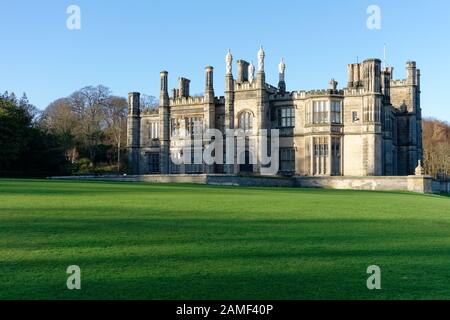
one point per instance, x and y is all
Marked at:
(420, 184)
(213, 179)
(179, 178)
(260, 181)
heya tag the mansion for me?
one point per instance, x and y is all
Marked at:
(372, 127)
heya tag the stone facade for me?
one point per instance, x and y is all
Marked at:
(370, 128)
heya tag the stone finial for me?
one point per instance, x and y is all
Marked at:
(420, 171)
(251, 72)
(282, 69)
(229, 61)
(261, 56)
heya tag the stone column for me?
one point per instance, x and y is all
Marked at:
(134, 132)
(229, 104)
(261, 106)
(209, 108)
(164, 124)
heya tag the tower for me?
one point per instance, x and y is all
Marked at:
(262, 106)
(164, 124)
(229, 102)
(415, 152)
(242, 70)
(210, 109)
(261, 94)
(134, 132)
(209, 113)
(370, 78)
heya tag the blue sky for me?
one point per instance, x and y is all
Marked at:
(125, 44)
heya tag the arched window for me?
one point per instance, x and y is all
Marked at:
(245, 121)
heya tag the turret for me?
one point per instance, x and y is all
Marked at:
(133, 132)
(229, 92)
(411, 73)
(350, 75)
(164, 123)
(242, 71)
(210, 108)
(164, 93)
(262, 107)
(371, 71)
(229, 102)
(209, 80)
(183, 87)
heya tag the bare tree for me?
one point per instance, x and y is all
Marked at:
(89, 104)
(149, 104)
(436, 147)
(116, 115)
(60, 119)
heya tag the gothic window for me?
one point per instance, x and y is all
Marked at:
(336, 109)
(153, 130)
(174, 127)
(153, 163)
(336, 156)
(308, 156)
(321, 110)
(175, 168)
(320, 156)
(194, 166)
(287, 160)
(377, 110)
(245, 121)
(308, 113)
(193, 125)
(286, 117)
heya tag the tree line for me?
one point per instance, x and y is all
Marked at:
(79, 134)
(86, 133)
(436, 147)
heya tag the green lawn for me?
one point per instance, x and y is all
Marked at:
(144, 241)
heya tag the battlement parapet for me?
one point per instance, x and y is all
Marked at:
(150, 112)
(354, 92)
(219, 100)
(181, 101)
(316, 93)
(282, 96)
(241, 86)
(397, 83)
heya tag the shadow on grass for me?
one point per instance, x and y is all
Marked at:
(222, 258)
